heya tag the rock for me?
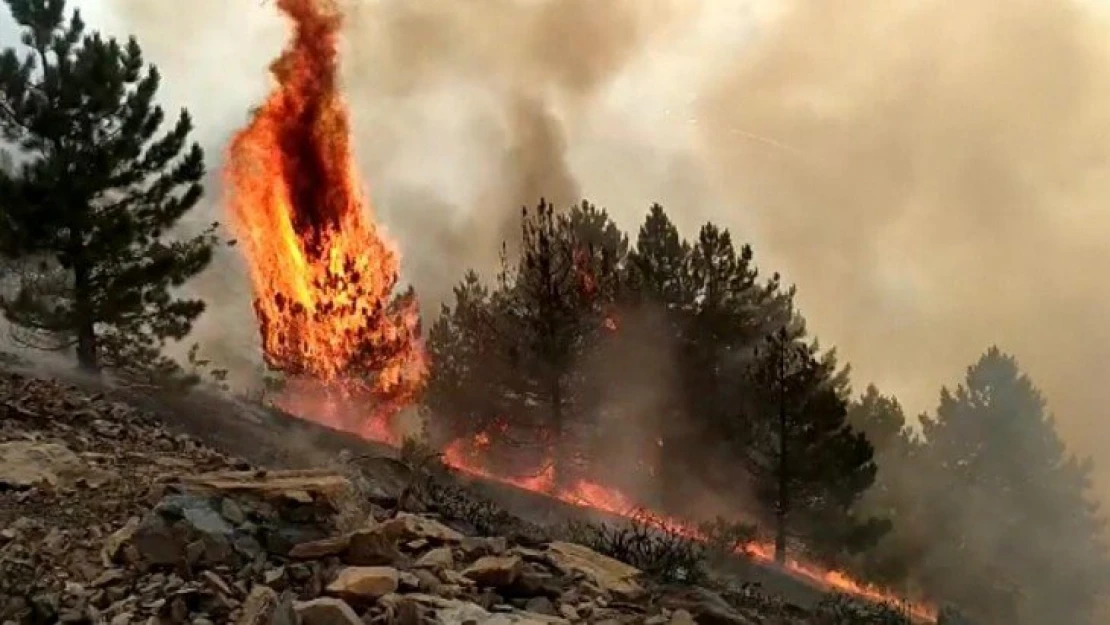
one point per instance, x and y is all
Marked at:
(109, 553)
(405, 527)
(107, 578)
(372, 548)
(232, 512)
(184, 528)
(217, 583)
(534, 581)
(316, 549)
(280, 538)
(461, 613)
(540, 605)
(476, 547)
(326, 611)
(569, 612)
(408, 581)
(438, 558)
(706, 606)
(273, 576)
(407, 612)
(285, 613)
(495, 571)
(306, 486)
(28, 464)
(682, 617)
(428, 582)
(609, 574)
(365, 582)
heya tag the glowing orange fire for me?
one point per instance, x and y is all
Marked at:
(323, 274)
(466, 456)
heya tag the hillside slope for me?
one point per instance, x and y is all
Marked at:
(204, 510)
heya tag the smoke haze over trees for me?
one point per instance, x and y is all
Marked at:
(872, 151)
(871, 189)
(973, 510)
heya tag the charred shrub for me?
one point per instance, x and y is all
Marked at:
(647, 543)
(456, 503)
(725, 540)
(839, 609)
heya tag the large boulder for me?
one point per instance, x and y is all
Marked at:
(609, 574)
(407, 526)
(28, 464)
(495, 571)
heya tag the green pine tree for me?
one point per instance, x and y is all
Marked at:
(1015, 534)
(96, 191)
(467, 383)
(733, 311)
(659, 266)
(808, 465)
(895, 495)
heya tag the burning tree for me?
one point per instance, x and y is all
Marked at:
(324, 275)
(510, 358)
(95, 193)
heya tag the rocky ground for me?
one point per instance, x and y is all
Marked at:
(108, 517)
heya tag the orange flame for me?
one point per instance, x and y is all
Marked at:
(323, 274)
(323, 278)
(465, 456)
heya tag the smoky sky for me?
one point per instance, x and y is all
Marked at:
(932, 175)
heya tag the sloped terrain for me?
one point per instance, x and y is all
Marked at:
(198, 513)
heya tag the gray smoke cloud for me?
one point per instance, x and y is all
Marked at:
(941, 186)
(931, 174)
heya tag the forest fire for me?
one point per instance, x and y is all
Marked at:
(466, 456)
(323, 274)
(323, 278)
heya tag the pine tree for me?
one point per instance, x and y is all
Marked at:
(895, 495)
(1011, 509)
(512, 358)
(809, 466)
(466, 388)
(96, 191)
(733, 311)
(659, 266)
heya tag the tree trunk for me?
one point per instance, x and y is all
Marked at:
(87, 356)
(558, 435)
(783, 490)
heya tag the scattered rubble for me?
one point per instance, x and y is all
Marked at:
(105, 517)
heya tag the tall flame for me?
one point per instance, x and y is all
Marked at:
(324, 276)
(322, 272)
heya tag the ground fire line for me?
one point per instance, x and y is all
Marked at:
(324, 276)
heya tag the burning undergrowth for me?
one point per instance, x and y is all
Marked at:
(349, 346)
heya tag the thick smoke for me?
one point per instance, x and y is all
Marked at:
(945, 186)
(931, 174)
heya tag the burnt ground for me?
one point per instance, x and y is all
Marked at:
(264, 436)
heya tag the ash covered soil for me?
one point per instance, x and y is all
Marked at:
(128, 507)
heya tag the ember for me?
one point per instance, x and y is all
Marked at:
(324, 275)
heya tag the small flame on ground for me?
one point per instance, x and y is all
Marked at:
(465, 456)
